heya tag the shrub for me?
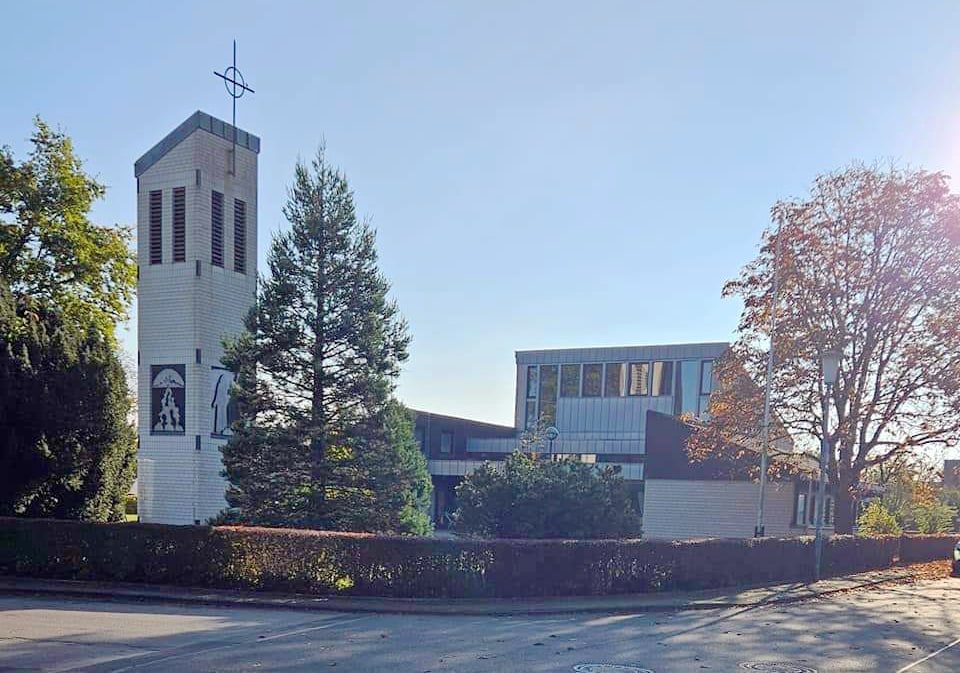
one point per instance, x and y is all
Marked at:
(878, 520)
(923, 548)
(359, 564)
(531, 498)
(933, 517)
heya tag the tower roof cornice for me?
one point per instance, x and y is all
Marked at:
(199, 120)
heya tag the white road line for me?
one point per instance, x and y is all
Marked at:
(170, 658)
(181, 655)
(311, 628)
(929, 656)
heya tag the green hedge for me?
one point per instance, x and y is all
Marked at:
(921, 548)
(369, 565)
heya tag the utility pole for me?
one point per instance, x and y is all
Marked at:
(758, 530)
(831, 367)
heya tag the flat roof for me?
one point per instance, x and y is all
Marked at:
(492, 426)
(604, 353)
(199, 120)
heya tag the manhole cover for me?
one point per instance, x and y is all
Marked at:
(776, 667)
(609, 668)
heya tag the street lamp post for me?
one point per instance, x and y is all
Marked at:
(830, 361)
(759, 530)
(551, 434)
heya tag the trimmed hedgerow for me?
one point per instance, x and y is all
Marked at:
(921, 548)
(360, 564)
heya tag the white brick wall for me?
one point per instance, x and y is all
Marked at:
(179, 312)
(677, 509)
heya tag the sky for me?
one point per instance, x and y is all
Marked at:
(540, 174)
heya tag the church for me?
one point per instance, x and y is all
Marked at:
(197, 257)
(197, 279)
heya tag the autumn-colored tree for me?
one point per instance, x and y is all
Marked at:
(912, 491)
(869, 263)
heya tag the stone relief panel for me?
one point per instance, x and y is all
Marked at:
(168, 391)
(222, 404)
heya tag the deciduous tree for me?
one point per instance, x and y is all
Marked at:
(50, 251)
(67, 444)
(869, 263)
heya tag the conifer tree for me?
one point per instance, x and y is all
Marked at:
(67, 443)
(319, 442)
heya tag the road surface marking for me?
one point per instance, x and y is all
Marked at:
(215, 648)
(311, 628)
(929, 656)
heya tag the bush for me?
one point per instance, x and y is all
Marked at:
(933, 517)
(359, 564)
(878, 520)
(531, 498)
(923, 548)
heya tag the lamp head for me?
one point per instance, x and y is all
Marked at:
(830, 362)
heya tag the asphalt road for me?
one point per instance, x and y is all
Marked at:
(900, 629)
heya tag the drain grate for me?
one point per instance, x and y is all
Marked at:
(776, 667)
(609, 668)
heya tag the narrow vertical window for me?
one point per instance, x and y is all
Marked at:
(592, 380)
(239, 236)
(706, 387)
(216, 229)
(569, 380)
(446, 442)
(530, 420)
(613, 380)
(706, 377)
(639, 378)
(533, 382)
(801, 519)
(687, 387)
(156, 227)
(662, 379)
(180, 224)
(548, 394)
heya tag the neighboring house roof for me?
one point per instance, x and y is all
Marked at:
(197, 121)
(429, 415)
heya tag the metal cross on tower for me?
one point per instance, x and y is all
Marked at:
(236, 86)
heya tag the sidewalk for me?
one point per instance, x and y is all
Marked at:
(630, 603)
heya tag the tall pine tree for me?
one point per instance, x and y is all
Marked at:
(319, 442)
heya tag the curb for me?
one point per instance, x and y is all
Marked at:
(500, 608)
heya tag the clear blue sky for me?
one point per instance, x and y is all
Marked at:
(542, 174)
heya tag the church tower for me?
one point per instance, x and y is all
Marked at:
(197, 255)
